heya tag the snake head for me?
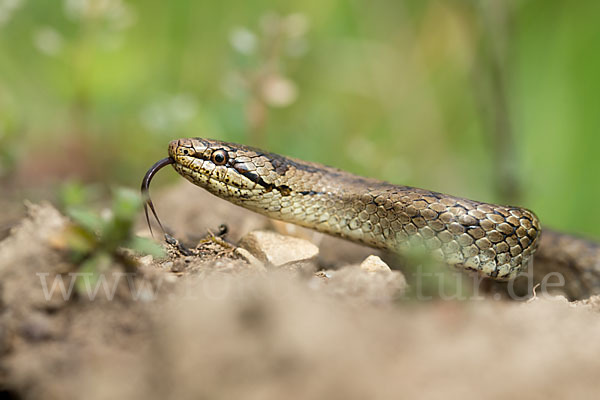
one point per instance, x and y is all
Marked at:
(234, 172)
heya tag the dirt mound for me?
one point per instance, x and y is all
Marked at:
(192, 328)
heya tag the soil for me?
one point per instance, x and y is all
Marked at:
(209, 325)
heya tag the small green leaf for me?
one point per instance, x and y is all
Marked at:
(146, 246)
(90, 272)
(89, 276)
(85, 218)
(117, 229)
(126, 204)
(72, 194)
(75, 194)
(78, 240)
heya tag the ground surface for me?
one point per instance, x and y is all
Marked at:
(217, 326)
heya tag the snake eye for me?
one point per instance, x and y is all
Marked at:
(219, 157)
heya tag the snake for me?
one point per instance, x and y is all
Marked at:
(490, 240)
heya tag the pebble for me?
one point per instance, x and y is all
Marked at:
(146, 260)
(281, 251)
(374, 264)
(373, 281)
(354, 282)
(37, 327)
(253, 262)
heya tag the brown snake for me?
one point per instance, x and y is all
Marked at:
(493, 240)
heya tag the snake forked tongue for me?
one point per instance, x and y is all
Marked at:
(146, 194)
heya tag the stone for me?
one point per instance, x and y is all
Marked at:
(281, 251)
(356, 283)
(253, 262)
(374, 264)
(37, 327)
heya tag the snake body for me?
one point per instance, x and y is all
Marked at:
(493, 240)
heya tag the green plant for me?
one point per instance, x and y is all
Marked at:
(94, 241)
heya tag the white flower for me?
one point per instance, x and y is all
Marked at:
(48, 41)
(278, 91)
(243, 40)
(169, 113)
(7, 9)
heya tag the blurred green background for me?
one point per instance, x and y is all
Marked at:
(492, 100)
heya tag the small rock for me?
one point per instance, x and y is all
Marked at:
(253, 262)
(281, 251)
(179, 265)
(358, 283)
(593, 302)
(374, 264)
(146, 260)
(37, 327)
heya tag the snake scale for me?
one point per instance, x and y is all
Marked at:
(491, 240)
